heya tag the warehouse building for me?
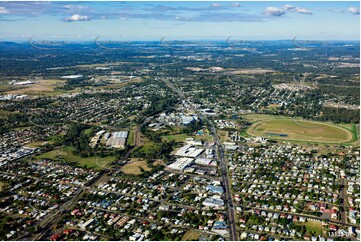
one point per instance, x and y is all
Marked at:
(189, 151)
(117, 139)
(180, 164)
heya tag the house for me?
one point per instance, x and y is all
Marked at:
(86, 224)
(219, 225)
(242, 220)
(333, 227)
(244, 235)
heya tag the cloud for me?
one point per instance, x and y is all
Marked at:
(76, 17)
(75, 7)
(3, 10)
(274, 11)
(303, 11)
(288, 7)
(354, 10)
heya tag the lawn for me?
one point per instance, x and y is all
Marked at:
(299, 130)
(66, 154)
(134, 165)
(313, 226)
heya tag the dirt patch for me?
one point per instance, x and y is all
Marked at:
(135, 166)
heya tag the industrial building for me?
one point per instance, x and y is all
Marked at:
(180, 164)
(188, 119)
(189, 151)
(117, 139)
(205, 162)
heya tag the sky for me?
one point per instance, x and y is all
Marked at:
(153, 20)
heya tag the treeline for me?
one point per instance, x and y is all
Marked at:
(77, 138)
(351, 93)
(340, 115)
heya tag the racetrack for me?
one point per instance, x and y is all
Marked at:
(300, 130)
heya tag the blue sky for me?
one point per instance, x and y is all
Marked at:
(269, 20)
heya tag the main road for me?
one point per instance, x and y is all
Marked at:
(222, 164)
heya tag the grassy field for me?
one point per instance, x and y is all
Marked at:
(176, 137)
(4, 113)
(36, 144)
(191, 235)
(130, 139)
(147, 147)
(299, 130)
(41, 87)
(182, 137)
(313, 226)
(223, 135)
(133, 167)
(354, 130)
(66, 154)
(2, 186)
(258, 117)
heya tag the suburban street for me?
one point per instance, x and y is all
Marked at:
(222, 165)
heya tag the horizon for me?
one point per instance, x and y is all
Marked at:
(151, 20)
(114, 41)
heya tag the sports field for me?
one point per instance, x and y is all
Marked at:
(299, 130)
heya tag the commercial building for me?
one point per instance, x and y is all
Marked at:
(215, 189)
(214, 202)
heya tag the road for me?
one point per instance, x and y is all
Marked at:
(344, 197)
(222, 164)
(225, 177)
